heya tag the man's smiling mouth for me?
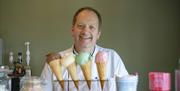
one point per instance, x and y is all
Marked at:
(84, 37)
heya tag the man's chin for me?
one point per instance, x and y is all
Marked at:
(85, 46)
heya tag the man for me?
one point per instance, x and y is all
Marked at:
(86, 30)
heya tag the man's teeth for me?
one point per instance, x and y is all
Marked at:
(85, 37)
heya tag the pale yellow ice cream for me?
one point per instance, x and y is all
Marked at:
(68, 61)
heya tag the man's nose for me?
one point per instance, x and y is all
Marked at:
(86, 29)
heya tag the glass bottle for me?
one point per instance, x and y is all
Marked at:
(11, 59)
(19, 68)
(28, 69)
(20, 57)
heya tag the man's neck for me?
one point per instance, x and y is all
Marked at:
(90, 50)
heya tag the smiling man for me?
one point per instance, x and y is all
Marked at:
(86, 30)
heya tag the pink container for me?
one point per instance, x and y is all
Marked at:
(159, 81)
(177, 80)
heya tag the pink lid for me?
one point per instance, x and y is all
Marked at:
(160, 81)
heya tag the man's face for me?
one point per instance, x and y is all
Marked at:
(85, 30)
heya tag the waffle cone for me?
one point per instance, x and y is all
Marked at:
(56, 68)
(101, 67)
(73, 73)
(86, 68)
(61, 82)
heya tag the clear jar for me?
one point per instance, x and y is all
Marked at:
(4, 86)
(4, 80)
(33, 83)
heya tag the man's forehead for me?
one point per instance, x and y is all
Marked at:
(87, 15)
(87, 12)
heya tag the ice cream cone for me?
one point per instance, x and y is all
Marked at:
(61, 82)
(84, 60)
(53, 60)
(73, 73)
(68, 61)
(101, 61)
(101, 67)
(86, 68)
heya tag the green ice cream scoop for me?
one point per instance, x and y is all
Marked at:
(82, 58)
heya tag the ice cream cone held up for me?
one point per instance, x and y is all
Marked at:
(101, 61)
(53, 59)
(68, 61)
(84, 60)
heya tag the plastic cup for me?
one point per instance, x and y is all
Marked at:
(159, 81)
(127, 83)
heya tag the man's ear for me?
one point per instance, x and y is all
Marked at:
(72, 30)
(99, 34)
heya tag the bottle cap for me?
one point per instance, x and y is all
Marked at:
(19, 53)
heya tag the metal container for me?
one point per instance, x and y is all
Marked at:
(32, 83)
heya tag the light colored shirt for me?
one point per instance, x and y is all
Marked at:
(114, 67)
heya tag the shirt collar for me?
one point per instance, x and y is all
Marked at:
(92, 54)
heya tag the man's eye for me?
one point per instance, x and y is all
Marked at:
(80, 26)
(92, 27)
